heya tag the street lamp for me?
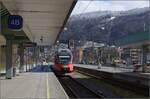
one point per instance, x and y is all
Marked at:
(111, 23)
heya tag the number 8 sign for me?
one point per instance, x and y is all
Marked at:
(15, 22)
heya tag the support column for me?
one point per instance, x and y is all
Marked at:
(15, 58)
(21, 68)
(26, 60)
(9, 69)
(29, 65)
(34, 56)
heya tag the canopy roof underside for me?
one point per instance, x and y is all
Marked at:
(43, 19)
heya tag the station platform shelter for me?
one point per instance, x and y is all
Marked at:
(39, 26)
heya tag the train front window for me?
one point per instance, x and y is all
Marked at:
(64, 59)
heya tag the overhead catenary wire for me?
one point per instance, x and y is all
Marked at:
(79, 15)
(87, 6)
(81, 12)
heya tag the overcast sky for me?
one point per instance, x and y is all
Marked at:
(84, 6)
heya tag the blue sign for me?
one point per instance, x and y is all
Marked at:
(15, 22)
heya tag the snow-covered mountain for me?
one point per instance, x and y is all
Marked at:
(99, 26)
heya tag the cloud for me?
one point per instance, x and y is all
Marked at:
(117, 5)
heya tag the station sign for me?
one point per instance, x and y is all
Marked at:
(29, 44)
(15, 22)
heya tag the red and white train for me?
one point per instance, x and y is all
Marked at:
(63, 61)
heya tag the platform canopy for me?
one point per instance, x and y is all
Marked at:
(43, 19)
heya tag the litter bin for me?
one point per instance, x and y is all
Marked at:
(14, 72)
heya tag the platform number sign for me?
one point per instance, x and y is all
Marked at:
(15, 22)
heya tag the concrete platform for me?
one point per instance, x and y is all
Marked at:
(106, 68)
(127, 71)
(32, 85)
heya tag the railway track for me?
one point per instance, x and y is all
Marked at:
(116, 83)
(75, 89)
